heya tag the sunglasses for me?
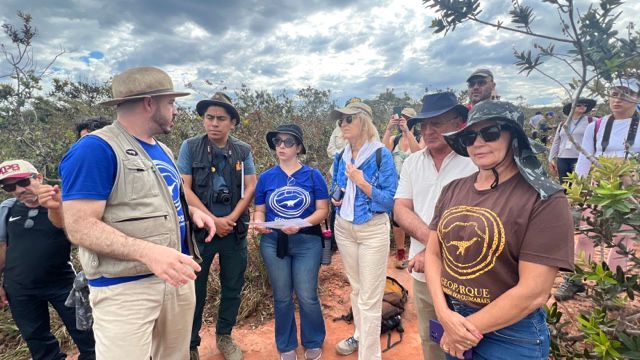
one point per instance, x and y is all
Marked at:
(288, 142)
(348, 120)
(488, 134)
(581, 105)
(479, 82)
(12, 187)
(28, 224)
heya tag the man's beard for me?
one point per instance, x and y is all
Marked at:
(164, 125)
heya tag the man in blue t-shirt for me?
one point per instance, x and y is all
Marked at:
(220, 179)
(123, 206)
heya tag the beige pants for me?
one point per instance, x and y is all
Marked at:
(143, 318)
(425, 312)
(364, 250)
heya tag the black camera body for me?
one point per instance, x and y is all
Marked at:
(223, 197)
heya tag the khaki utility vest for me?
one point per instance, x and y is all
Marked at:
(140, 206)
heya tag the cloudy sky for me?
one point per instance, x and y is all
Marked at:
(354, 48)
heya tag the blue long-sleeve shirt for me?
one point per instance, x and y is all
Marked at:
(384, 182)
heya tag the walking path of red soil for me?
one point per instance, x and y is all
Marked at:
(258, 343)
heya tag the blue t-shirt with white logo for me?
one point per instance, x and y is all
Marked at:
(290, 197)
(88, 171)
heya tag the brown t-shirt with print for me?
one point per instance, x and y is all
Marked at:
(483, 235)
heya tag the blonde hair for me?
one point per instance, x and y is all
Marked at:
(368, 131)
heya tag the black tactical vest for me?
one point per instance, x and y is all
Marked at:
(201, 150)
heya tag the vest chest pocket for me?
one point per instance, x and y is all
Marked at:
(139, 179)
(200, 174)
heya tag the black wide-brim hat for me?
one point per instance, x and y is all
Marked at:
(589, 102)
(218, 99)
(291, 129)
(524, 149)
(438, 104)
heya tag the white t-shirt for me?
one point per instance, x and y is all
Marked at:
(422, 183)
(619, 132)
(535, 120)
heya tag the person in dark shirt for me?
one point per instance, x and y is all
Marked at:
(35, 259)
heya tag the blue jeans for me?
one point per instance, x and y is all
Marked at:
(298, 271)
(526, 339)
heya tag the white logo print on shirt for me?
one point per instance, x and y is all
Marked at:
(14, 218)
(289, 201)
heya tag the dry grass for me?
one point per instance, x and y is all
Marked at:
(256, 307)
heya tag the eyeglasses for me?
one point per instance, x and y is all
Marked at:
(623, 95)
(488, 134)
(348, 120)
(480, 82)
(12, 187)
(288, 142)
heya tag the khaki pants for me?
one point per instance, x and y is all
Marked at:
(143, 318)
(425, 312)
(364, 249)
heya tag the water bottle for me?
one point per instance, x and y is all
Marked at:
(326, 250)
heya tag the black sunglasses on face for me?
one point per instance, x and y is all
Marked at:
(348, 120)
(12, 187)
(288, 142)
(479, 82)
(488, 134)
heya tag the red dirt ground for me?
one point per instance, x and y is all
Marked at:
(258, 343)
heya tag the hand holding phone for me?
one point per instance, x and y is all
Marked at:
(397, 110)
(436, 331)
(338, 193)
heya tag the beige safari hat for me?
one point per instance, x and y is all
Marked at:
(141, 82)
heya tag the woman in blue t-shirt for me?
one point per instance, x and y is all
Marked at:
(292, 190)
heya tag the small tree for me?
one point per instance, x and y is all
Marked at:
(589, 47)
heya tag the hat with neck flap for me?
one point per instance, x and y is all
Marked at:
(505, 113)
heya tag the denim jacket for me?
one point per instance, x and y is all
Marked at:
(384, 182)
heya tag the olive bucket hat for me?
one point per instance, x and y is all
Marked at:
(505, 113)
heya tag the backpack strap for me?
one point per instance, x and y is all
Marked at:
(595, 133)
(5, 209)
(607, 134)
(378, 158)
(631, 135)
(396, 141)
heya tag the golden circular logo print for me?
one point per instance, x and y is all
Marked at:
(471, 238)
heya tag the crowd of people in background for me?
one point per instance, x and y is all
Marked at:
(489, 229)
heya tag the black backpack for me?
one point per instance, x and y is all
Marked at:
(393, 302)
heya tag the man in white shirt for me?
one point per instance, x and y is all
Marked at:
(423, 176)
